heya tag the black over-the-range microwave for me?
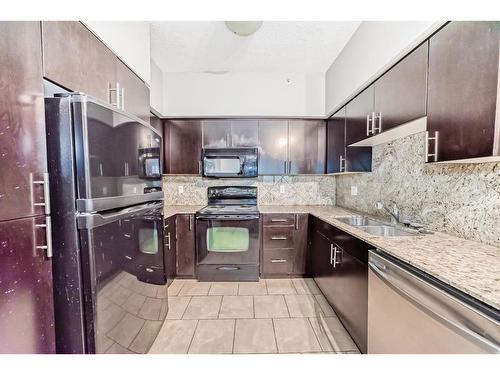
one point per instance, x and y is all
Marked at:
(230, 162)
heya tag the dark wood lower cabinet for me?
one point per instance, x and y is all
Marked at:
(185, 246)
(170, 248)
(284, 245)
(26, 302)
(339, 264)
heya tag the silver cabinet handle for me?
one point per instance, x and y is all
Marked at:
(122, 99)
(48, 237)
(116, 91)
(168, 243)
(279, 238)
(278, 260)
(341, 164)
(228, 142)
(284, 167)
(278, 220)
(199, 167)
(436, 142)
(190, 222)
(368, 130)
(380, 122)
(46, 192)
(333, 255)
(376, 129)
(150, 270)
(289, 167)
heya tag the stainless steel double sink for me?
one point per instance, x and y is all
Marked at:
(375, 227)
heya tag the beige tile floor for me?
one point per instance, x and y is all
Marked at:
(269, 316)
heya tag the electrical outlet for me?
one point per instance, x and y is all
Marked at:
(354, 190)
(282, 189)
(180, 189)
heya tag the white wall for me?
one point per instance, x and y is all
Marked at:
(374, 47)
(129, 40)
(243, 94)
(156, 91)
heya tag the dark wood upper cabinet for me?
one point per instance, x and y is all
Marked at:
(134, 92)
(185, 246)
(358, 115)
(75, 59)
(22, 121)
(462, 96)
(273, 147)
(244, 133)
(335, 154)
(307, 146)
(216, 133)
(26, 305)
(182, 146)
(156, 123)
(401, 93)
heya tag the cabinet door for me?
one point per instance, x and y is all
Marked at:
(75, 59)
(183, 150)
(135, 93)
(170, 248)
(358, 112)
(26, 305)
(300, 244)
(307, 146)
(273, 144)
(185, 244)
(244, 133)
(320, 261)
(216, 133)
(401, 93)
(462, 98)
(156, 123)
(22, 120)
(335, 151)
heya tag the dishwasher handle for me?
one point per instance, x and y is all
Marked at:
(457, 315)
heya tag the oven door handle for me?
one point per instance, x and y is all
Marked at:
(217, 218)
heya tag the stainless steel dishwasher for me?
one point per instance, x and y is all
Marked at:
(412, 312)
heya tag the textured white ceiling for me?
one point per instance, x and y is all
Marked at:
(278, 46)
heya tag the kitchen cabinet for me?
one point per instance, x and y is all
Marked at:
(156, 123)
(273, 147)
(244, 133)
(170, 248)
(182, 146)
(216, 133)
(22, 121)
(401, 93)
(26, 305)
(307, 146)
(339, 157)
(339, 265)
(462, 96)
(358, 116)
(185, 246)
(75, 59)
(284, 244)
(134, 94)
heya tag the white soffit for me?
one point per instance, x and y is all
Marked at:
(278, 46)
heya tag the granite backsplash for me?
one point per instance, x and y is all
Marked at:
(298, 190)
(459, 199)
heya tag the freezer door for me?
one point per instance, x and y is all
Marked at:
(123, 271)
(409, 315)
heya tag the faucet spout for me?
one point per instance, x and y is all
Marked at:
(394, 213)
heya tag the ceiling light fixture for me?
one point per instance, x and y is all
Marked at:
(243, 28)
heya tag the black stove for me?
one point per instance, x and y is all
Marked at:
(227, 235)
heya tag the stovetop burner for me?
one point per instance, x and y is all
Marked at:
(231, 200)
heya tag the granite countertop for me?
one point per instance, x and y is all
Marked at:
(469, 266)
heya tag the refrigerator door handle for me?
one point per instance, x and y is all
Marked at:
(92, 220)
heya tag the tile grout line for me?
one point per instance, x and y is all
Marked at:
(234, 336)
(274, 334)
(316, 335)
(192, 337)
(287, 309)
(187, 305)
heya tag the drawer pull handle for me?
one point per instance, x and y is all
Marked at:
(278, 260)
(278, 220)
(150, 270)
(128, 257)
(279, 238)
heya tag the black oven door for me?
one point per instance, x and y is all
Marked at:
(227, 248)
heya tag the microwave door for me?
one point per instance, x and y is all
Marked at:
(220, 166)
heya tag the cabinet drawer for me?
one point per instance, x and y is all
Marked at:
(277, 261)
(279, 219)
(278, 237)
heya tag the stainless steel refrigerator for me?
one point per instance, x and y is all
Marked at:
(107, 222)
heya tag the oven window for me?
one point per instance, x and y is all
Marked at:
(228, 165)
(148, 240)
(228, 239)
